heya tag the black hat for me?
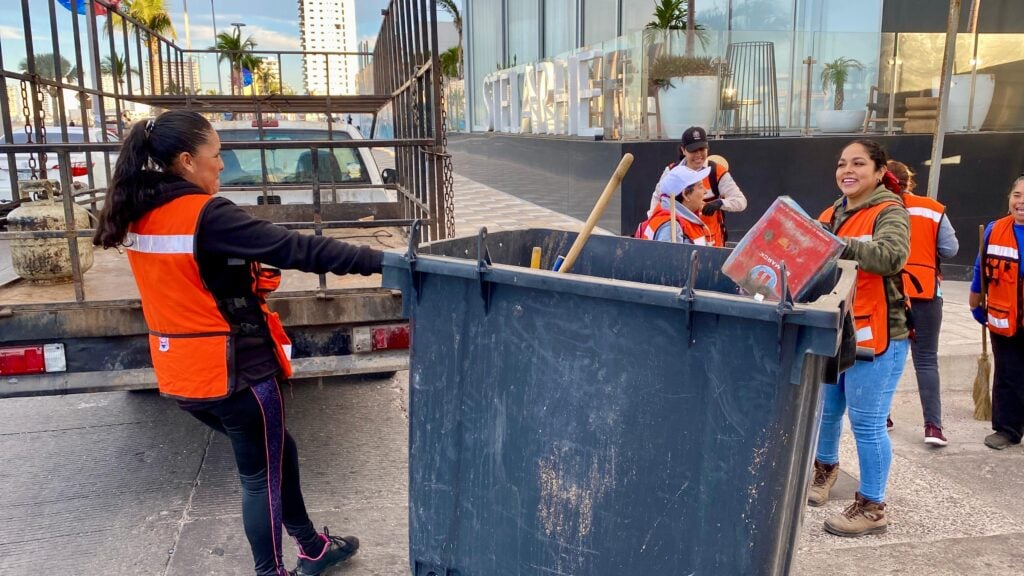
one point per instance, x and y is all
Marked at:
(695, 138)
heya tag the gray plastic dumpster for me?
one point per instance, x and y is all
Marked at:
(633, 417)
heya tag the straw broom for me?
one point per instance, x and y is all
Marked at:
(982, 399)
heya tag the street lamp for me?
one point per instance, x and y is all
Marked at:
(213, 14)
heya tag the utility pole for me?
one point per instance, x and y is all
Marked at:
(188, 46)
(952, 24)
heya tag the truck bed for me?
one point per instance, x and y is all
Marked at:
(107, 279)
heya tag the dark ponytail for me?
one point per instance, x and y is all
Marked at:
(147, 155)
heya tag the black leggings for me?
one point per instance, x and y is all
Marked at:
(253, 419)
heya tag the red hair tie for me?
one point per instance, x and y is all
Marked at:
(890, 181)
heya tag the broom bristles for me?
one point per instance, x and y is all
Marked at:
(982, 399)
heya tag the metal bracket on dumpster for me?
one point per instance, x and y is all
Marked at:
(787, 332)
(688, 295)
(483, 265)
(415, 278)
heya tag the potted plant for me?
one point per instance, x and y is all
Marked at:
(687, 91)
(834, 75)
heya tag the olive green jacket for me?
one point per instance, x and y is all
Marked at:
(885, 254)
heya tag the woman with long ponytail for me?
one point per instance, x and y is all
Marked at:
(216, 347)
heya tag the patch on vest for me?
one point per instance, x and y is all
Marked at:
(165, 344)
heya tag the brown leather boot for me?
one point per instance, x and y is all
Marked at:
(825, 476)
(861, 518)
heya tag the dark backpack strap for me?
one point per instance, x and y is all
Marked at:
(713, 176)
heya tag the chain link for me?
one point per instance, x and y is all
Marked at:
(41, 137)
(446, 166)
(27, 112)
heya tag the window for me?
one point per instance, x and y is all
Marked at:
(294, 166)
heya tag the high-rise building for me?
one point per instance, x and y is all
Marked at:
(328, 26)
(181, 77)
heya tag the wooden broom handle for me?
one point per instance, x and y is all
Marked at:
(595, 214)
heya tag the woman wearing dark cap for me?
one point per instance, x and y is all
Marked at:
(216, 347)
(721, 193)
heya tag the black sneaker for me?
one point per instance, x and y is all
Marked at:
(336, 550)
(999, 441)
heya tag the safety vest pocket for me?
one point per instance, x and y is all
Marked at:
(999, 320)
(865, 336)
(191, 367)
(283, 344)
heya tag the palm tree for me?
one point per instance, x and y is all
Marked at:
(232, 48)
(254, 64)
(153, 15)
(450, 62)
(46, 66)
(451, 8)
(114, 66)
(836, 73)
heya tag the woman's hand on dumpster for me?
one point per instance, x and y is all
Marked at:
(980, 315)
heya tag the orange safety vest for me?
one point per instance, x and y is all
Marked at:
(1002, 277)
(190, 340)
(870, 302)
(715, 222)
(699, 234)
(921, 273)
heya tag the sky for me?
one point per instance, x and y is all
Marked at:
(273, 25)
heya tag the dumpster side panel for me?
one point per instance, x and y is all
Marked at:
(565, 434)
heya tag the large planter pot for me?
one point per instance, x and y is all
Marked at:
(690, 101)
(834, 121)
(960, 101)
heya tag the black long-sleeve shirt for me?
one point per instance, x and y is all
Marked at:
(228, 240)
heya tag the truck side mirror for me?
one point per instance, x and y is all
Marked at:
(389, 175)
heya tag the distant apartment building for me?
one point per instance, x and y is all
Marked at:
(180, 77)
(328, 26)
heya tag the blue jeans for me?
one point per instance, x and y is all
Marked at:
(867, 390)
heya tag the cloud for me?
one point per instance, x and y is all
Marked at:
(11, 33)
(265, 38)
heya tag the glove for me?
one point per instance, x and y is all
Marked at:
(980, 315)
(711, 207)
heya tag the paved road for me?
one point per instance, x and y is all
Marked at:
(124, 483)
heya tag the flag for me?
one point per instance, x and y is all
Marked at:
(246, 77)
(101, 10)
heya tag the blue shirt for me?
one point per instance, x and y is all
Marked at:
(1018, 231)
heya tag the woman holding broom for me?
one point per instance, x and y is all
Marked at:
(998, 269)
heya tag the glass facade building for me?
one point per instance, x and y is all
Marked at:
(895, 48)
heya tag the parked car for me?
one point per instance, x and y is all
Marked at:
(80, 168)
(290, 171)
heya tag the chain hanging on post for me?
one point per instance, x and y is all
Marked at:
(446, 166)
(27, 112)
(41, 137)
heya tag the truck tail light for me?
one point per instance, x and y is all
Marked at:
(32, 359)
(79, 169)
(375, 338)
(391, 337)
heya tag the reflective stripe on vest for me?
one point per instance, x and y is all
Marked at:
(870, 301)
(160, 244)
(1002, 279)
(921, 272)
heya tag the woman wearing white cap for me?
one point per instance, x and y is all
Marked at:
(681, 199)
